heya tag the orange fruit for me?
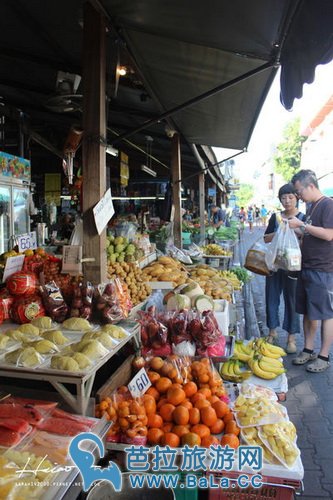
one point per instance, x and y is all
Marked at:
(153, 376)
(201, 403)
(180, 430)
(228, 417)
(201, 429)
(205, 391)
(175, 395)
(190, 388)
(166, 369)
(203, 378)
(231, 428)
(149, 403)
(231, 440)
(166, 412)
(163, 384)
(196, 397)
(173, 373)
(208, 441)
(218, 427)
(194, 414)
(221, 408)
(167, 427)
(153, 392)
(181, 415)
(208, 416)
(156, 363)
(187, 404)
(170, 439)
(191, 439)
(154, 435)
(161, 402)
(155, 421)
(213, 399)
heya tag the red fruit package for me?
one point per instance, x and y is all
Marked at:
(6, 302)
(25, 309)
(82, 297)
(22, 283)
(54, 302)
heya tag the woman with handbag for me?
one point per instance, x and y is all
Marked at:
(282, 282)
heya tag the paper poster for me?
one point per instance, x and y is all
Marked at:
(72, 259)
(103, 211)
(13, 264)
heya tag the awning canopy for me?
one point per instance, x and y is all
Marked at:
(179, 52)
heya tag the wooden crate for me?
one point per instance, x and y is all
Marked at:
(120, 377)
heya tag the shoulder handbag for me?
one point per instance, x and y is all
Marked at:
(255, 259)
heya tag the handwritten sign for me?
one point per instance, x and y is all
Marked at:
(71, 259)
(13, 264)
(103, 211)
(27, 241)
(139, 384)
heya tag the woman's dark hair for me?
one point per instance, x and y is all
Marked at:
(286, 189)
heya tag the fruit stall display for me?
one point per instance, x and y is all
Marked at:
(133, 278)
(214, 249)
(165, 269)
(37, 432)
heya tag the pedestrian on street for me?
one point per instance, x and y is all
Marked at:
(314, 295)
(250, 216)
(263, 215)
(282, 282)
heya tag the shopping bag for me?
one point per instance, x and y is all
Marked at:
(284, 251)
(255, 260)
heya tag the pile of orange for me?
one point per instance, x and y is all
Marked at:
(182, 406)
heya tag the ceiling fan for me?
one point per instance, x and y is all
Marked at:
(65, 99)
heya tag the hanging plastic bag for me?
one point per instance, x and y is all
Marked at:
(284, 251)
(255, 260)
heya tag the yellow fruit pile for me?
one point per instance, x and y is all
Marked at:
(165, 269)
(131, 274)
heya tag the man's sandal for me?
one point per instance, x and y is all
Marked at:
(319, 365)
(304, 357)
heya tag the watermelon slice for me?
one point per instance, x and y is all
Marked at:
(36, 403)
(62, 426)
(15, 424)
(58, 413)
(26, 412)
(8, 437)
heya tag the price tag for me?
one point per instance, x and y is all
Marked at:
(13, 264)
(139, 383)
(27, 241)
(71, 259)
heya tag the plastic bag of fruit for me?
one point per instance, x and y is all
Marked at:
(154, 334)
(22, 283)
(54, 302)
(82, 300)
(111, 302)
(205, 330)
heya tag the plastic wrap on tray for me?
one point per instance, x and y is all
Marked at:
(249, 390)
(258, 411)
(281, 443)
(55, 445)
(250, 435)
(27, 357)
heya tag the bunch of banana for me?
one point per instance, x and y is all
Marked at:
(231, 278)
(280, 445)
(242, 351)
(251, 436)
(231, 371)
(266, 368)
(269, 350)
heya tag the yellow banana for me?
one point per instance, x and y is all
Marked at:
(259, 372)
(271, 361)
(240, 352)
(225, 368)
(271, 351)
(270, 368)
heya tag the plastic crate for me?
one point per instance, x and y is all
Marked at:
(273, 488)
(181, 493)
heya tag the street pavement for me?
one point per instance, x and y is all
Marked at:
(309, 399)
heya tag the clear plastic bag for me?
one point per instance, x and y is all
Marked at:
(284, 251)
(156, 301)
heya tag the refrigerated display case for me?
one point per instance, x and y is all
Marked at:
(14, 198)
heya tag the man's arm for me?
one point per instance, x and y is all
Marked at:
(323, 233)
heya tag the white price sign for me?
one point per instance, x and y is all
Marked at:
(13, 264)
(27, 241)
(103, 211)
(139, 384)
